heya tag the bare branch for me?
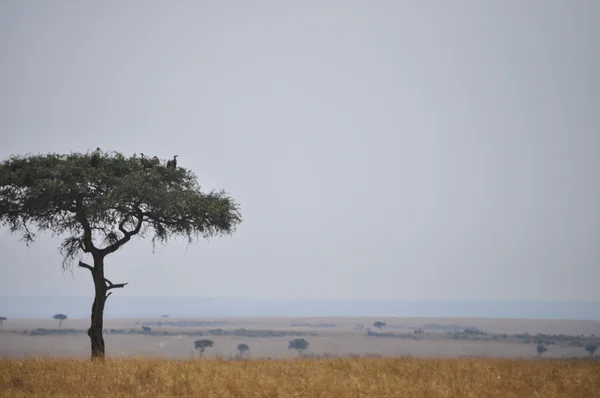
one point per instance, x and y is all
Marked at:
(111, 285)
(87, 266)
(126, 234)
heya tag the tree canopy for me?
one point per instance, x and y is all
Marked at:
(298, 344)
(60, 318)
(591, 348)
(202, 345)
(243, 347)
(379, 324)
(99, 202)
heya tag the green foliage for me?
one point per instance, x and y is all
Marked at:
(108, 198)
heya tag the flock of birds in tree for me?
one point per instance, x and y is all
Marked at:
(146, 162)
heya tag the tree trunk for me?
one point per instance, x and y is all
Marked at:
(95, 330)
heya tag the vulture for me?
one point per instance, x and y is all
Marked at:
(96, 157)
(172, 164)
(145, 161)
(155, 161)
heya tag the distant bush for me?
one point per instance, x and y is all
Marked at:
(379, 324)
(409, 336)
(258, 333)
(308, 325)
(46, 332)
(443, 326)
(473, 330)
(541, 349)
(325, 325)
(189, 323)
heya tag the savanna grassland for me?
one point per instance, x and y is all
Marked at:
(347, 357)
(350, 377)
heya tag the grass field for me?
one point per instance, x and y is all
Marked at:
(399, 377)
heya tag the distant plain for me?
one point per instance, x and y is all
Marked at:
(333, 336)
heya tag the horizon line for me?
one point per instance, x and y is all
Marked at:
(317, 299)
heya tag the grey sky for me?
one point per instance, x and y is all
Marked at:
(379, 149)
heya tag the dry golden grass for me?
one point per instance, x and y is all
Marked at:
(300, 378)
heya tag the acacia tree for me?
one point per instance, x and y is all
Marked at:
(97, 203)
(242, 348)
(202, 345)
(591, 348)
(299, 345)
(60, 318)
(379, 324)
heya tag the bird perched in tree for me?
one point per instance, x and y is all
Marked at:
(96, 157)
(145, 161)
(172, 164)
(155, 161)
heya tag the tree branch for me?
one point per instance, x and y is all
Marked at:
(126, 234)
(87, 266)
(111, 285)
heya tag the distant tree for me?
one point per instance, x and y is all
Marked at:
(99, 202)
(299, 345)
(147, 329)
(541, 349)
(243, 348)
(202, 345)
(591, 348)
(164, 316)
(379, 324)
(2, 319)
(60, 318)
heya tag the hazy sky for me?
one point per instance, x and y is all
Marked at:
(379, 149)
